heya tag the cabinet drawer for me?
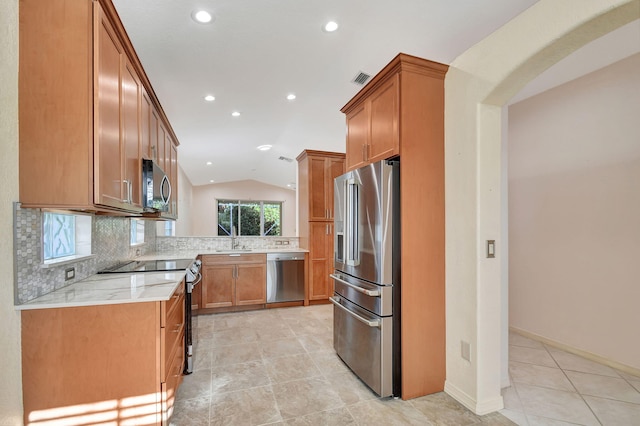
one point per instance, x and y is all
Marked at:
(173, 302)
(216, 259)
(174, 329)
(172, 381)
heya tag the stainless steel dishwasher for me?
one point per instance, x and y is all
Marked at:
(285, 277)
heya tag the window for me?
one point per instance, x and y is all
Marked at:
(169, 228)
(65, 236)
(256, 218)
(137, 231)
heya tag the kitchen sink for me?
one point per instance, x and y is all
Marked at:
(233, 250)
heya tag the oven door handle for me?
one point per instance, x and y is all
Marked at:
(353, 314)
(372, 293)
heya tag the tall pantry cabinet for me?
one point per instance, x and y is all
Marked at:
(400, 112)
(316, 172)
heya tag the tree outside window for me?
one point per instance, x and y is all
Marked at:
(250, 218)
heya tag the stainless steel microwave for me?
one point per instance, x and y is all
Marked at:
(156, 188)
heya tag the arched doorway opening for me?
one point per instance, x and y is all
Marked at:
(478, 84)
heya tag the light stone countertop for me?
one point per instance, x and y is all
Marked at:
(110, 289)
(192, 254)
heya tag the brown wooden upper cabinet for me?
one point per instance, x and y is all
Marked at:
(372, 126)
(87, 111)
(320, 168)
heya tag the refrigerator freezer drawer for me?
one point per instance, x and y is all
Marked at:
(364, 342)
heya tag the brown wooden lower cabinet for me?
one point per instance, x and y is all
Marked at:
(107, 364)
(233, 280)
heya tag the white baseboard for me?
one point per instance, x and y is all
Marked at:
(585, 354)
(478, 408)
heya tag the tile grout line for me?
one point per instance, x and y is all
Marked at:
(572, 384)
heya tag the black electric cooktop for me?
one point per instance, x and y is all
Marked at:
(149, 266)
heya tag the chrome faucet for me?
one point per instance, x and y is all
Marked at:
(234, 236)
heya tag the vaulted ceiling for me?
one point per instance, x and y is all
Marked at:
(255, 53)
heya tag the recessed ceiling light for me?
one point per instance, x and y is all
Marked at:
(330, 26)
(211, 181)
(235, 114)
(209, 163)
(202, 16)
(264, 147)
(209, 98)
(291, 96)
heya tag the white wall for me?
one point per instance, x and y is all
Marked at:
(11, 371)
(184, 224)
(574, 211)
(204, 211)
(477, 84)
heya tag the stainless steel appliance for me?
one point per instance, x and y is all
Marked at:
(366, 328)
(285, 277)
(156, 188)
(192, 278)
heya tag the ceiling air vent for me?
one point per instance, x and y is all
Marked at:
(361, 78)
(288, 160)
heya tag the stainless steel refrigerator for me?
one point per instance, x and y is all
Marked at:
(367, 274)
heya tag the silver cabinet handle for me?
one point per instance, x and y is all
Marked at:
(372, 293)
(127, 184)
(356, 316)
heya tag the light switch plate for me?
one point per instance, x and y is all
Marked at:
(491, 248)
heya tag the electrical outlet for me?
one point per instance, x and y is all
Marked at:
(69, 274)
(278, 242)
(286, 243)
(465, 350)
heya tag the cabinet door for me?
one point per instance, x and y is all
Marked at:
(320, 260)
(335, 168)
(357, 137)
(218, 286)
(145, 126)
(162, 136)
(153, 135)
(107, 149)
(251, 284)
(317, 189)
(384, 112)
(173, 178)
(131, 89)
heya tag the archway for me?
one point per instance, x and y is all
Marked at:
(478, 83)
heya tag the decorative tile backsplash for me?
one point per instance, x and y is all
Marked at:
(171, 244)
(110, 245)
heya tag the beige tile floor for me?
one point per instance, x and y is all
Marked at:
(553, 387)
(278, 367)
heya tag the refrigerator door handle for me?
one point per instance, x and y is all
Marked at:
(351, 223)
(336, 302)
(372, 293)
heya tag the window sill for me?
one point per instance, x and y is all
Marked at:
(61, 261)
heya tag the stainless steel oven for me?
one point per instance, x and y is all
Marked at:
(367, 275)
